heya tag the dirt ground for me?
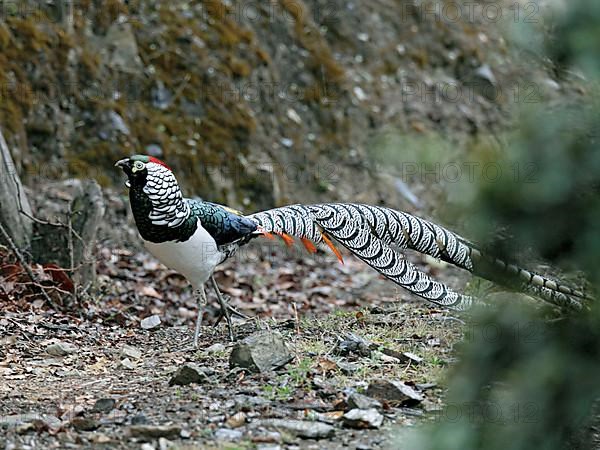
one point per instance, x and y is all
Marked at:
(111, 388)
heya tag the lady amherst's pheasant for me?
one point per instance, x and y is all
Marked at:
(193, 236)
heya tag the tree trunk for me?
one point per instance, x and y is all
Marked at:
(73, 247)
(12, 200)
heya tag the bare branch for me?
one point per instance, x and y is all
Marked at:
(24, 264)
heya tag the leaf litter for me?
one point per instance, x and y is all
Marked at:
(345, 327)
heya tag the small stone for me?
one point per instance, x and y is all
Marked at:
(61, 349)
(139, 419)
(293, 115)
(268, 447)
(154, 431)
(425, 386)
(131, 352)
(268, 437)
(394, 392)
(359, 93)
(25, 428)
(22, 419)
(237, 420)
(100, 438)
(260, 352)
(300, 428)
(150, 322)
(104, 405)
(225, 434)
(363, 418)
(360, 401)
(354, 344)
(84, 424)
(415, 359)
(127, 364)
(286, 142)
(163, 444)
(216, 348)
(187, 374)
(118, 123)
(386, 358)
(185, 434)
(347, 368)
(485, 72)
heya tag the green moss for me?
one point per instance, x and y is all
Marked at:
(308, 35)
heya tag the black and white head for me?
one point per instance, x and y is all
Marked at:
(152, 177)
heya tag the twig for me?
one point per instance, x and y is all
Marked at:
(296, 320)
(42, 221)
(42, 287)
(23, 263)
(22, 328)
(70, 244)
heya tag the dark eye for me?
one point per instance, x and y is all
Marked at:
(138, 165)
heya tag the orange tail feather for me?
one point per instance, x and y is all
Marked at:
(308, 245)
(289, 241)
(332, 247)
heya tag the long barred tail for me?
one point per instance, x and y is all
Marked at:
(376, 235)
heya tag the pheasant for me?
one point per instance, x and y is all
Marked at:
(192, 237)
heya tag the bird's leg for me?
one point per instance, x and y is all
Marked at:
(232, 311)
(224, 307)
(201, 297)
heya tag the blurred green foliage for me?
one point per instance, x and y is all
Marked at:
(524, 381)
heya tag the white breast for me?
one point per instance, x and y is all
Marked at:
(195, 258)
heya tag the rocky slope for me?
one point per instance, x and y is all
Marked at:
(252, 103)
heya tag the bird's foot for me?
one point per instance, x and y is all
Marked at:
(232, 311)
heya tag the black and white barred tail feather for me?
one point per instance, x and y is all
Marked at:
(376, 235)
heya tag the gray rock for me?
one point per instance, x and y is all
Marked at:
(150, 322)
(131, 352)
(485, 72)
(154, 431)
(363, 418)
(61, 349)
(415, 359)
(22, 419)
(127, 364)
(394, 392)
(359, 401)
(187, 374)
(354, 344)
(104, 405)
(121, 50)
(161, 96)
(164, 444)
(288, 143)
(118, 123)
(225, 434)
(139, 419)
(300, 428)
(268, 447)
(216, 348)
(84, 424)
(260, 352)
(347, 368)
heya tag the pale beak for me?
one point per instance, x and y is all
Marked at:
(122, 162)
